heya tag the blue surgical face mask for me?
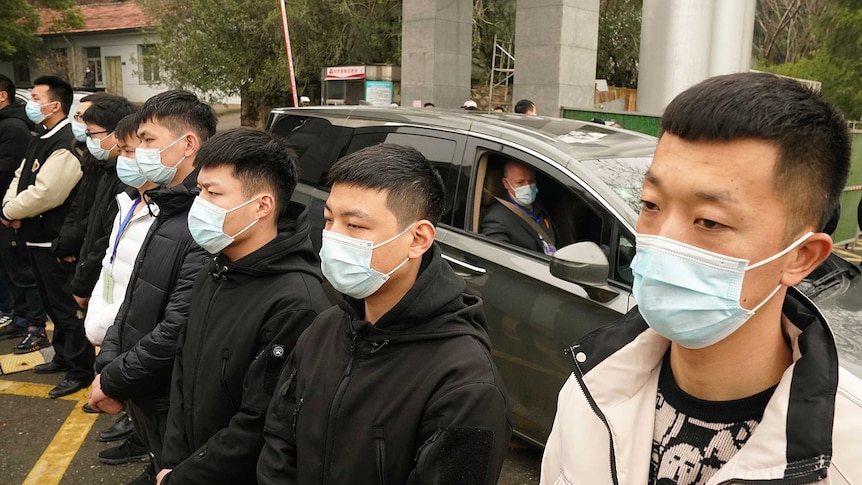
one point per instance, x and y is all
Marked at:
(526, 194)
(95, 148)
(689, 295)
(80, 131)
(346, 263)
(150, 164)
(34, 111)
(128, 173)
(206, 224)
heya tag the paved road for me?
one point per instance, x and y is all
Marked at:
(46, 442)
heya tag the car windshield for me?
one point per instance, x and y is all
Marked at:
(623, 175)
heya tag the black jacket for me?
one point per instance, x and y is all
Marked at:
(415, 398)
(71, 237)
(244, 320)
(138, 352)
(500, 224)
(14, 137)
(100, 220)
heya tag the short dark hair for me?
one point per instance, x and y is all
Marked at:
(523, 106)
(259, 160)
(7, 85)
(180, 111)
(416, 190)
(106, 111)
(429, 103)
(810, 134)
(90, 98)
(58, 89)
(127, 127)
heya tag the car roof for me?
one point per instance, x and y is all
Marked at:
(574, 139)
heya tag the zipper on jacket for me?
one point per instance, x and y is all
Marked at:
(427, 442)
(296, 414)
(380, 445)
(339, 393)
(225, 357)
(191, 397)
(579, 375)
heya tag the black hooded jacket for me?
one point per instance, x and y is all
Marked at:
(138, 351)
(70, 238)
(414, 398)
(15, 135)
(100, 220)
(244, 320)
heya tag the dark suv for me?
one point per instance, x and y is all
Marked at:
(589, 177)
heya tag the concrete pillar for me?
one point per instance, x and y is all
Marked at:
(555, 53)
(686, 41)
(436, 52)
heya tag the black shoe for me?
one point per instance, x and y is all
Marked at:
(12, 331)
(121, 429)
(66, 387)
(125, 453)
(50, 368)
(148, 477)
(32, 342)
(5, 319)
(87, 409)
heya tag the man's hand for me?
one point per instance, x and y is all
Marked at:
(98, 399)
(161, 475)
(15, 224)
(69, 259)
(82, 302)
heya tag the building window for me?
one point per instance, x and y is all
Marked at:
(149, 63)
(22, 74)
(94, 60)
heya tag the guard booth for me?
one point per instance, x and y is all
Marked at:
(376, 85)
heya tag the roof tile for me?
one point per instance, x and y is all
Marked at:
(100, 17)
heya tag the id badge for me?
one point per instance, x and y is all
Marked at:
(107, 287)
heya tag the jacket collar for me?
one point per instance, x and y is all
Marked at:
(618, 362)
(53, 131)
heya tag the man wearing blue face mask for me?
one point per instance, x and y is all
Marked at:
(395, 384)
(519, 217)
(249, 305)
(36, 204)
(724, 373)
(138, 351)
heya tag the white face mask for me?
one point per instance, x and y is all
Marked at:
(526, 194)
(150, 164)
(95, 148)
(206, 224)
(346, 263)
(690, 295)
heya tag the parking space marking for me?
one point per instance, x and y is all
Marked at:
(57, 457)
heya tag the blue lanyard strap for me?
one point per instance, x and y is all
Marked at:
(123, 225)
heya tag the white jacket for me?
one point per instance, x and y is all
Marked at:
(102, 309)
(603, 429)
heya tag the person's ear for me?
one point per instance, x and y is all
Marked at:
(193, 144)
(265, 206)
(423, 236)
(806, 258)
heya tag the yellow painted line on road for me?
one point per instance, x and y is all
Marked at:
(57, 457)
(32, 389)
(848, 255)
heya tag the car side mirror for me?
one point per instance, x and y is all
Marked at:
(586, 264)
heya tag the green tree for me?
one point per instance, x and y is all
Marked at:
(19, 21)
(619, 42)
(836, 63)
(236, 47)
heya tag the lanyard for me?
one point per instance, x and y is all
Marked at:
(123, 225)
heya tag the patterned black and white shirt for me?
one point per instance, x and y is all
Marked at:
(692, 438)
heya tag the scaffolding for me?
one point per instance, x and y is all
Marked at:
(502, 72)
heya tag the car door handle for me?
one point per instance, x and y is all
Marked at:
(471, 269)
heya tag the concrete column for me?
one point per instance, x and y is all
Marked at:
(732, 34)
(555, 53)
(436, 52)
(686, 41)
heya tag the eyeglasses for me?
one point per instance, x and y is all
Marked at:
(78, 117)
(91, 133)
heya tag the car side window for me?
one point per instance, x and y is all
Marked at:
(317, 145)
(439, 150)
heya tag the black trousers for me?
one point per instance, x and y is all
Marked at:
(71, 347)
(150, 425)
(15, 263)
